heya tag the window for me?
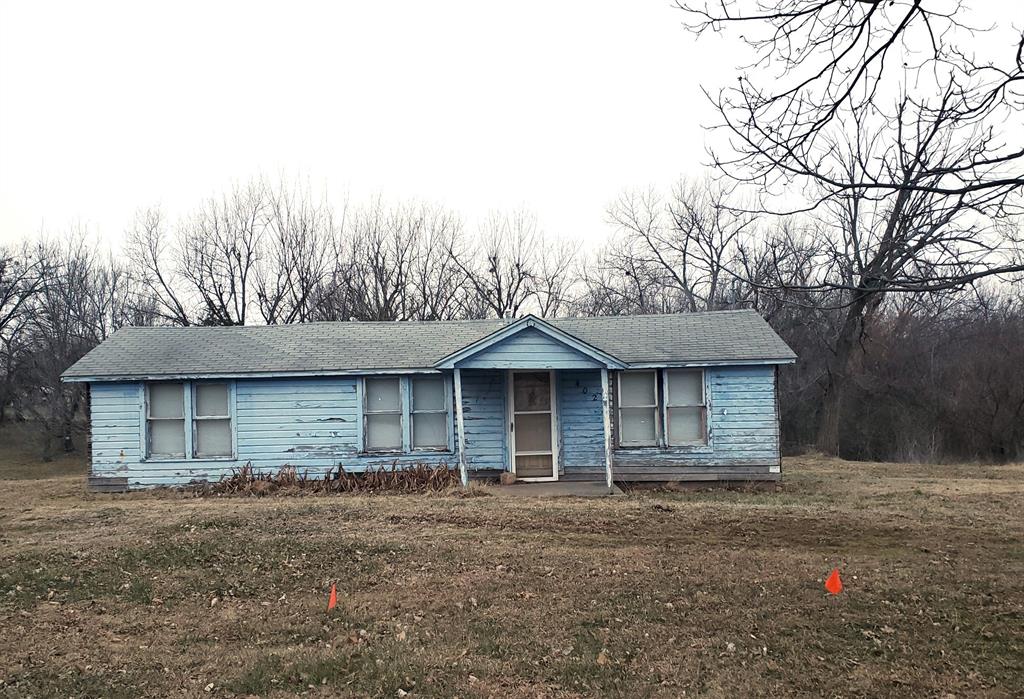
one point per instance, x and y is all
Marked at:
(211, 420)
(173, 408)
(638, 408)
(643, 422)
(429, 413)
(383, 407)
(686, 412)
(165, 419)
(406, 413)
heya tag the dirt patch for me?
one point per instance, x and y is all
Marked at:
(656, 594)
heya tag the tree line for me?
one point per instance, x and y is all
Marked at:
(938, 373)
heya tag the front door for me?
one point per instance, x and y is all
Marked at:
(531, 429)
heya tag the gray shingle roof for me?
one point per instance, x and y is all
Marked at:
(137, 352)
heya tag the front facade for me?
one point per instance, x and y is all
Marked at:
(657, 398)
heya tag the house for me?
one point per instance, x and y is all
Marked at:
(683, 397)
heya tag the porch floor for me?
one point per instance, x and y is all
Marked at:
(558, 489)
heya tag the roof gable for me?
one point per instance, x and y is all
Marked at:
(529, 343)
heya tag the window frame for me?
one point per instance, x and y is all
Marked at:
(197, 418)
(703, 405)
(446, 410)
(189, 418)
(148, 418)
(661, 420)
(406, 412)
(656, 407)
(401, 412)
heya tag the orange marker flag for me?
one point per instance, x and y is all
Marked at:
(834, 584)
(333, 601)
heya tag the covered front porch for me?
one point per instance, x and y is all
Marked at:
(535, 402)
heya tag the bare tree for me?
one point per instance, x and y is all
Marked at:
(620, 280)
(153, 260)
(220, 247)
(383, 249)
(554, 277)
(23, 272)
(85, 297)
(501, 264)
(690, 240)
(294, 263)
(872, 116)
(438, 284)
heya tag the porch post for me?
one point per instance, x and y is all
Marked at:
(606, 408)
(460, 428)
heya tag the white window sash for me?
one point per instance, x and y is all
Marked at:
(445, 410)
(651, 406)
(400, 412)
(406, 415)
(189, 418)
(150, 419)
(431, 447)
(197, 418)
(702, 404)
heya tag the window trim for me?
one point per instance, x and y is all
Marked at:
(703, 405)
(197, 418)
(401, 412)
(446, 410)
(147, 418)
(189, 418)
(656, 406)
(661, 422)
(406, 413)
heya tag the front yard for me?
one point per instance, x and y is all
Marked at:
(664, 595)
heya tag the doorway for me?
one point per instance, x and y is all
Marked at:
(532, 428)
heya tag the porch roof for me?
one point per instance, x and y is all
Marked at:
(557, 349)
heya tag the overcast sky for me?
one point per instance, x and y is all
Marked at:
(553, 106)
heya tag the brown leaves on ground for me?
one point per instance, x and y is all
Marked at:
(715, 593)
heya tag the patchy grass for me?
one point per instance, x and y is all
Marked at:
(714, 593)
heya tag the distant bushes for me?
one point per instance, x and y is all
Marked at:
(932, 385)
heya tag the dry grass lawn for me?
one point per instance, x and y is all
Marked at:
(659, 594)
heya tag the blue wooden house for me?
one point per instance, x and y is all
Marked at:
(684, 397)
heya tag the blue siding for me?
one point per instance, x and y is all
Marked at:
(313, 423)
(529, 349)
(742, 420)
(116, 410)
(580, 420)
(307, 423)
(483, 401)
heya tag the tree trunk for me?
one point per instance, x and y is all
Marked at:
(47, 444)
(827, 441)
(839, 369)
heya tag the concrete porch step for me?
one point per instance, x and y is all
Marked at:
(558, 489)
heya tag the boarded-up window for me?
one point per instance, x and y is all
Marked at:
(165, 419)
(211, 420)
(383, 414)
(638, 408)
(429, 413)
(685, 407)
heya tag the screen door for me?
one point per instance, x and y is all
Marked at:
(531, 428)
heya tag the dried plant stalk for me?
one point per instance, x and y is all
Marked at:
(393, 478)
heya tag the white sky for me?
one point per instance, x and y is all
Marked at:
(553, 106)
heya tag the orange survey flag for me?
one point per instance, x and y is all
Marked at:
(834, 584)
(333, 601)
